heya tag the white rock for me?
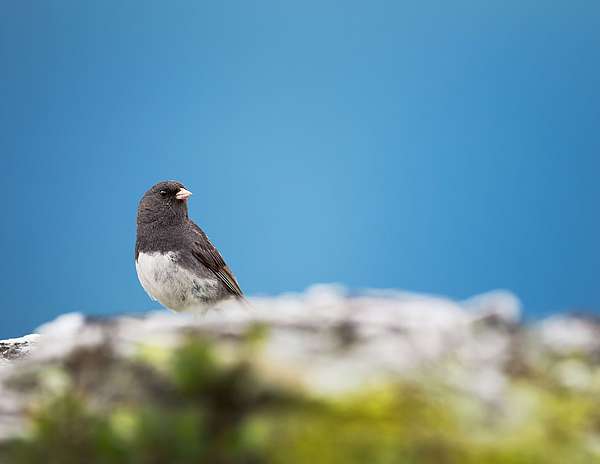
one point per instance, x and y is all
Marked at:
(569, 335)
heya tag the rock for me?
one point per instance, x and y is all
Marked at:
(323, 343)
(569, 335)
(15, 348)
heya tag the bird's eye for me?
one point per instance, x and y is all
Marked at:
(163, 193)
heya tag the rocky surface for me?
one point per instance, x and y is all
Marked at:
(15, 348)
(323, 343)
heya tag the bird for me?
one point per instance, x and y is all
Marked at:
(175, 261)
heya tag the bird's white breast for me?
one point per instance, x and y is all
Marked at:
(173, 286)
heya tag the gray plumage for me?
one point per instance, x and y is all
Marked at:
(175, 261)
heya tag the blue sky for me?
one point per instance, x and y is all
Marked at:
(444, 147)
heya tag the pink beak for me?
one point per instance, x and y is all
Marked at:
(183, 194)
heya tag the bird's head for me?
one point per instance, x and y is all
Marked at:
(164, 203)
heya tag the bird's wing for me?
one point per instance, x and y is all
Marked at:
(208, 255)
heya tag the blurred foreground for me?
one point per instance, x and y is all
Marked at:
(313, 378)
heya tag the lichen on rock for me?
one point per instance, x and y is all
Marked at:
(323, 377)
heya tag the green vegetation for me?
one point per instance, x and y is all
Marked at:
(199, 404)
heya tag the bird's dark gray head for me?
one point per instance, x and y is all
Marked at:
(164, 204)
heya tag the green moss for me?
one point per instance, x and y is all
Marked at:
(199, 408)
(63, 431)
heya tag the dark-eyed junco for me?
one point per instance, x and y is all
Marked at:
(175, 262)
